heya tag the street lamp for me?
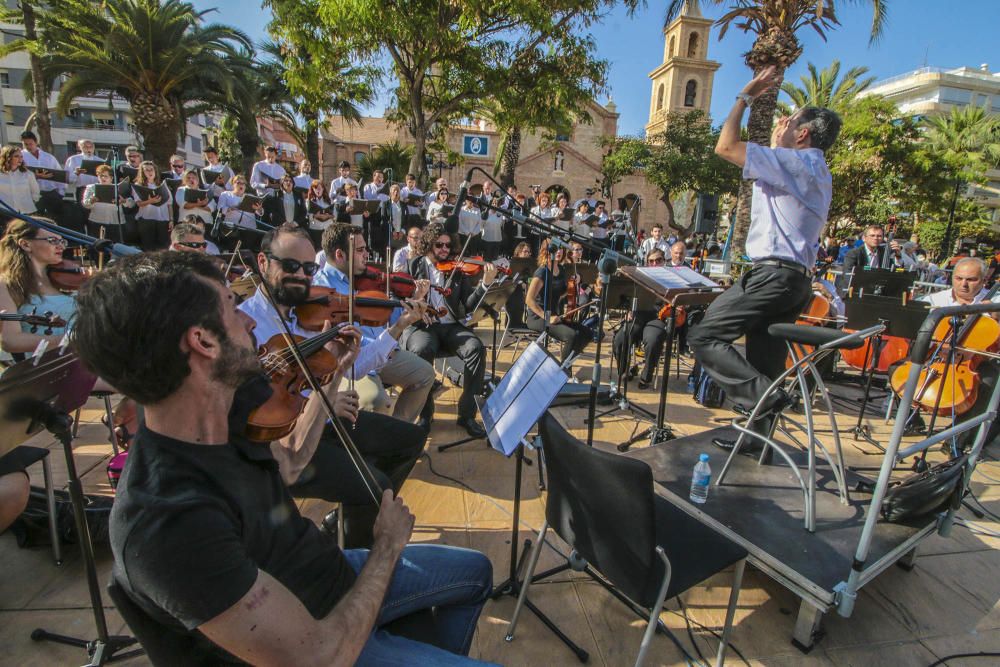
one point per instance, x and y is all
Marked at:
(439, 164)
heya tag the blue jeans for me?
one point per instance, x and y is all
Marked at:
(456, 582)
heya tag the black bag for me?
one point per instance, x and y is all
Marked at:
(32, 528)
(706, 391)
(933, 490)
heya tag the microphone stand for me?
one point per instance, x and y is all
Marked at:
(118, 204)
(100, 245)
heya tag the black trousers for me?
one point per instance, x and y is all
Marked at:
(764, 296)
(153, 234)
(52, 205)
(649, 329)
(390, 446)
(460, 341)
(573, 335)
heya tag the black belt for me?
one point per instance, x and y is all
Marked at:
(782, 264)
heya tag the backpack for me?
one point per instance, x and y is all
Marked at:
(706, 391)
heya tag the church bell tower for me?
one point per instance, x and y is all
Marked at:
(683, 82)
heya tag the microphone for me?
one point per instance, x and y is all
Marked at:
(607, 265)
(451, 222)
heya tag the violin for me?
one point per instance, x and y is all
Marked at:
(46, 322)
(401, 285)
(470, 266)
(667, 310)
(68, 275)
(324, 304)
(945, 387)
(276, 417)
(570, 297)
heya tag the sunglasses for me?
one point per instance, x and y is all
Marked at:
(655, 262)
(193, 244)
(177, 166)
(293, 265)
(442, 245)
(54, 240)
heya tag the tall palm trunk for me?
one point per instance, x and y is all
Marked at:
(43, 121)
(248, 138)
(511, 156)
(157, 121)
(311, 118)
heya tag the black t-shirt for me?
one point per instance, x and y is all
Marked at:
(553, 288)
(192, 524)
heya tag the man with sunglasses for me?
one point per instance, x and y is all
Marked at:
(403, 369)
(449, 333)
(401, 260)
(186, 237)
(390, 445)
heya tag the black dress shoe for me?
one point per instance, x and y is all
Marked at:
(749, 448)
(472, 427)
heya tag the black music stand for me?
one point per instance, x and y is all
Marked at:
(489, 306)
(508, 417)
(40, 393)
(900, 320)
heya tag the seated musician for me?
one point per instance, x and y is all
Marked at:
(645, 326)
(186, 237)
(391, 445)
(207, 541)
(548, 285)
(968, 286)
(401, 260)
(678, 254)
(449, 333)
(410, 373)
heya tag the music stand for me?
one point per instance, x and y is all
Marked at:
(900, 320)
(882, 282)
(510, 412)
(489, 305)
(40, 393)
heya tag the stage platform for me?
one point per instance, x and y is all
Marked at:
(761, 507)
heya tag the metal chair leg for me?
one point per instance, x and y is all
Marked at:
(50, 500)
(536, 551)
(654, 613)
(110, 413)
(734, 597)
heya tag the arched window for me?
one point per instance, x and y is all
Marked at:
(672, 50)
(659, 97)
(559, 162)
(690, 91)
(693, 45)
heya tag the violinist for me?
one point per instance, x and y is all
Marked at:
(410, 373)
(547, 286)
(199, 224)
(392, 446)
(185, 237)
(26, 252)
(401, 260)
(643, 325)
(206, 540)
(449, 333)
(678, 254)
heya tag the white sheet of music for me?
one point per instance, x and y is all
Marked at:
(524, 393)
(676, 277)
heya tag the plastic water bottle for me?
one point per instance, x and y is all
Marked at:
(699, 480)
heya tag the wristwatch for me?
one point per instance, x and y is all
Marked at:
(746, 97)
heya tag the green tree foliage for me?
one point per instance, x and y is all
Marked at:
(825, 88)
(679, 160)
(159, 55)
(38, 86)
(447, 56)
(389, 156)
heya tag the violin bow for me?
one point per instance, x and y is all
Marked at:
(371, 483)
(236, 253)
(350, 292)
(458, 260)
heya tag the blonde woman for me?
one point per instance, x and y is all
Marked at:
(18, 187)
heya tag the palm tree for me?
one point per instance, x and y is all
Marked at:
(38, 87)
(968, 141)
(825, 88)
(386, 156)
(156, 54)
(775, 24)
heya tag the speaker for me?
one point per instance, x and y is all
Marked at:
(707, 214)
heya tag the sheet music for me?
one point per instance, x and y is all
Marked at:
(675, 277)
(524, 393)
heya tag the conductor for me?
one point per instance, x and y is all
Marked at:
(791, 198)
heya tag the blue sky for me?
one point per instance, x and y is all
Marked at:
(940, 33)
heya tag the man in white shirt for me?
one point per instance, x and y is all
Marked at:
(791, 199)
(341, 181)
(75, 174)
(51, 202)
(655, 240)
(267, 173)
(371, 190)
(401, 260)
(215, 173)
(304, 178)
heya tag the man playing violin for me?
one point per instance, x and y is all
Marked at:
(392, 446)
(449, 334)
(410, 373)
(207, 541)
(548, 285)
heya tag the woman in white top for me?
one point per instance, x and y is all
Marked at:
(153, 217)
(104, 215)
(346, 210)
(470, 224)
(492, 235)
(580, 225)
(543, 207)
(229, 203)
(435, 210)
(320, 210)
(203, 208)
(562, 203)
(18, 187)
(304, 179)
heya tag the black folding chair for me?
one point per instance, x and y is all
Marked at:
(603, 505)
